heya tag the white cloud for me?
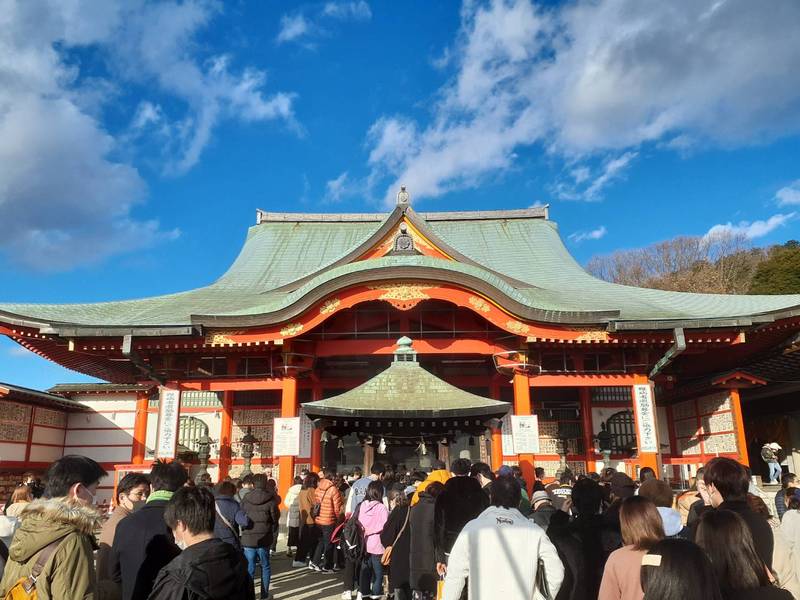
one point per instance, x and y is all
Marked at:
(751, 230)
(65, 184)
(303, 26)
(335, 189)
(594, 234)
(789, 194)
(599, 79)
(292, 28)
(358, 11)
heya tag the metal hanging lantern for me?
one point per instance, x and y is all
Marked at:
(382, 446)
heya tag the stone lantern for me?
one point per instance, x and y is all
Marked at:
(204, 444)
(604, 444)
(249, 442)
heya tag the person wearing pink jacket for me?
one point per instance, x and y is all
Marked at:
(372, 514)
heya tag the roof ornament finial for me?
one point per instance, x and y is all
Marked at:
(405, 350)
(403, 197)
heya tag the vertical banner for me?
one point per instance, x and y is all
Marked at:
(306, 429)
(525, 430)
(169, 403)
(645, 418)
(286, 436)
(506, 436)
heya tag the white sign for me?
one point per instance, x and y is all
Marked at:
(506, 437)
(169, 402)
(286, 437)
(525, 429)
(306, 429)
(645, 418)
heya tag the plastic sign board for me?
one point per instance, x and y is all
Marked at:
(525, 430)
(286, 437)
(645, 418)
(169, 404)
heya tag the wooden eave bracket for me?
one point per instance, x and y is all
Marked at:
(737, 379)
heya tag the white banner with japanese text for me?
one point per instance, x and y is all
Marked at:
(645, 418)
(169, 402)
(286, 437)
(525, 430)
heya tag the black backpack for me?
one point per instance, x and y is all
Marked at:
(351, 540)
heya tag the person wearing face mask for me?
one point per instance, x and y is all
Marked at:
(56, 535)
(207, 568)
(143, 544)
(132, 490)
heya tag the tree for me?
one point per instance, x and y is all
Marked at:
(722, 263)
(780, 272)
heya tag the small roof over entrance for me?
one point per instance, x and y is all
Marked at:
(406, 390)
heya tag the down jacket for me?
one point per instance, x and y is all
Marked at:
(330, 500)
(69, 573)
(261, 507)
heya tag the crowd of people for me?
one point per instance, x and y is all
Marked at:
(462, 531)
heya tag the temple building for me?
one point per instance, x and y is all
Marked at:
(404, 337)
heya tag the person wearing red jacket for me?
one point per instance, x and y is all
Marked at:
(330, 514)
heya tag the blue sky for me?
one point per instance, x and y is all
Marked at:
(138, 138)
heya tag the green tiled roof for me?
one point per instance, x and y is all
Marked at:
(405, 389)
(518, 255)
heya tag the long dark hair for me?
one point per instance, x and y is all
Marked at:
(374, 491)
(727, 541)
(683, 573)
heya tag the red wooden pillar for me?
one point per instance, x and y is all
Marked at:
(522, 407)
(316, 435)
(140, 429)
(497, 435)
(585, 395)
(288, 409)
(738, 419)
(226, 425)
(646, 459)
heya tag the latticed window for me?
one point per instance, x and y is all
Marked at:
(616, 393)
(191, 429)
(623, 432)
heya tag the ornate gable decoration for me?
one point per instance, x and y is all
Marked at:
(403, 243)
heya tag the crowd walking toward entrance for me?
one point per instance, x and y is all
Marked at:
(451, 533)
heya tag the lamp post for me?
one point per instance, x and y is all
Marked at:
(203, 454)
(248, 443)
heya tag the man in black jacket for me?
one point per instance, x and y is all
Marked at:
(261, 507)
(727, 484)
(461, 501)
(208, 569)
(143, 543)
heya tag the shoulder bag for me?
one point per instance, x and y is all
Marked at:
(386, 557)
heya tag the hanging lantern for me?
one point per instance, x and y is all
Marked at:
(324, 438)
(422, 449)
(340, 445)
(382, 446)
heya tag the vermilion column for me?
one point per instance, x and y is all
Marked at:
(522, 406)
(140, 429)
(741, 440)
(288, 409)
(226, 425)
(497, 434)
(646, 459)
(588, 427)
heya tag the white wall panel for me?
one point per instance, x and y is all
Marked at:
(46, 453)
(12, 451)
(102, 453)
(152, 432)
(112, 401)
(48, 435)
(79, 437)
(97, 420)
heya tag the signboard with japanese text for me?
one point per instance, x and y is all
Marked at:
(286, 437)
(306, 429)
(169, 402)
(645, 418)
(506, 437)
(525, 430)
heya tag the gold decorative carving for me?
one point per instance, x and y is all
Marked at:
(402, 296)
(329, 306)
(593, 336)
(291, 329)
(517, 327)
(221, 337)
(479, 304)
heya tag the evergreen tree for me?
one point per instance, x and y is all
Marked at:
(780, 272)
